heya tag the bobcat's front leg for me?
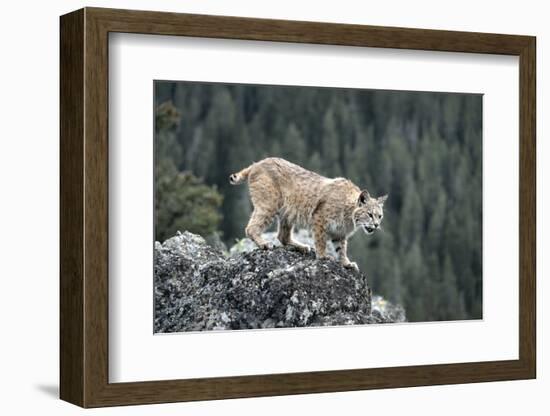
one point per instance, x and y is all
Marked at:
(342, 250)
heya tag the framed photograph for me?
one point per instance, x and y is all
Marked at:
(255, 207)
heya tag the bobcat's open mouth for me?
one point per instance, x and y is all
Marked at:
(368, 230)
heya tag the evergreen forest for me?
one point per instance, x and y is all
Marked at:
(423, 149)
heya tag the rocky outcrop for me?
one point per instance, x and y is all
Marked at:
(198, 288)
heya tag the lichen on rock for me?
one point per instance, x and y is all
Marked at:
(198, 288)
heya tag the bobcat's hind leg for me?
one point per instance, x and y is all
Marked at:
(258, 222)
(265, 198)
(285, 237)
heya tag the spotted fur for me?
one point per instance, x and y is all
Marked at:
(332, 208)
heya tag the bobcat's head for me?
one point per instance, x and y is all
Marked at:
(369, 212)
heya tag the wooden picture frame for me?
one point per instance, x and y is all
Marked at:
(84, 207)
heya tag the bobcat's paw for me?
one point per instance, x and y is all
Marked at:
(303, 249)
(265, 246)
(351, 265)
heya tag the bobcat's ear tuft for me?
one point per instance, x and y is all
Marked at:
(364, 196)
(382, 199)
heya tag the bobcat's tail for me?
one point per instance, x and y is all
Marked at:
(239, 177)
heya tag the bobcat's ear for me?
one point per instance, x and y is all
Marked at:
(382, 199)
(364, 196)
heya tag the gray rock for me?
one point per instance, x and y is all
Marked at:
(197, 288)
(385, 310)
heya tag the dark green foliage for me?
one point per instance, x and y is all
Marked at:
(182, 201)
(423, 149)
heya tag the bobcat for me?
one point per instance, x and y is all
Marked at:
(333, 208)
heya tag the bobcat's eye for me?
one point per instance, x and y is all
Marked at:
(370, 215)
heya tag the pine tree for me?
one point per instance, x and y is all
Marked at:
(330, 146)
(293, 144)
